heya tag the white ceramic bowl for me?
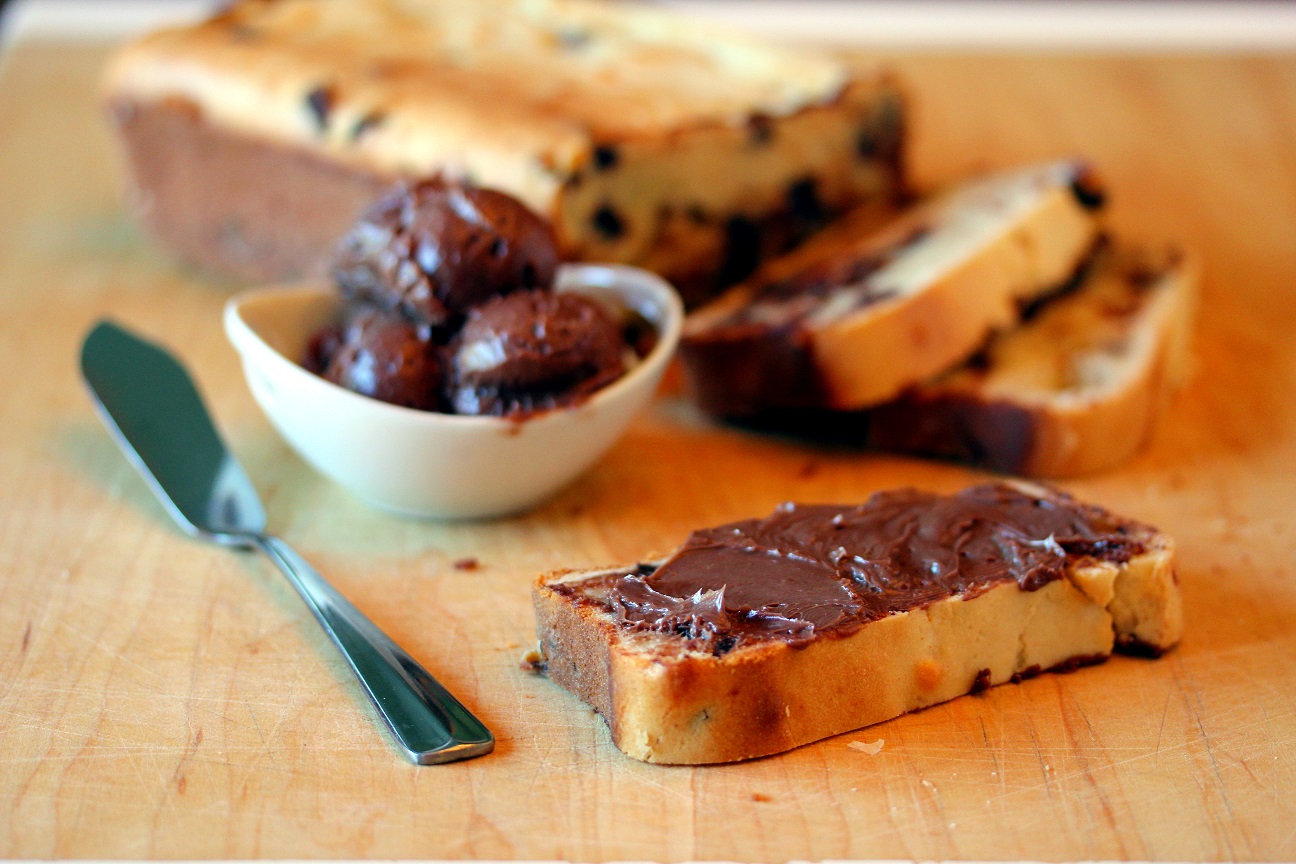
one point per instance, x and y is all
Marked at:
(440, 465)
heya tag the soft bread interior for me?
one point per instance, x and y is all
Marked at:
(1087, 343)
(1076, 389)
(1034, 209)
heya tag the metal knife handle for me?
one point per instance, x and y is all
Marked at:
(431, 724)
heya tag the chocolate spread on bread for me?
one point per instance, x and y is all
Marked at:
(813, 569)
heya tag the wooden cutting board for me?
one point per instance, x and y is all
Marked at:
(161, 698)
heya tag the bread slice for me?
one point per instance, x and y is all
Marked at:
(682, 689)
(1076, 389)
(853, 318)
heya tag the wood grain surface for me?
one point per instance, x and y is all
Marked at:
(160, 698)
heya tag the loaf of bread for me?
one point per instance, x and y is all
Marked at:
(856, 316)
(1075, 389)
(648, 138)
(763, 635)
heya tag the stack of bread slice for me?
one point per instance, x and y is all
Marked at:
(995, 323)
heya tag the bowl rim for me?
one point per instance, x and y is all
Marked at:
(254, 350)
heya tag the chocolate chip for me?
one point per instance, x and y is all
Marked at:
(233, 233)
(760, 129)
(1087, 190)
(320, 103)
(882, 135)
(981, 682)
(803, 201)
(608, 223)
(866, 144)
(742, 250)
(696, 214)
(367, 123)
(573, 39)
(1142, 273)
(241, 32)
(122, 112)
(978, 362)
(606, 157)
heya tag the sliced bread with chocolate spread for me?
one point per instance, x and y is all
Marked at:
(853, 318)
(1076, 389)
(763, 635)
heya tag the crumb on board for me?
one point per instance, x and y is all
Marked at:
(761, 797)
(534, 661)
(467, 564)
(871, 749)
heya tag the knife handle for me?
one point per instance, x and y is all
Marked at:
(431, 725)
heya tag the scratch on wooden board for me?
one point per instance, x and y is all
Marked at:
(1045, 768)
(960, 754)
(680, 792)
(1273, 747)
(1195, 709)
(1110, 766)
(994, 758)
(1241, 763)
(146, 775)
(219, 701)
(98, 646)
(1165, 712)
(26, 638)
(1108, 813)
(256, 724)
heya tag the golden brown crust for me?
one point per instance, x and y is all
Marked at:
(545, 76)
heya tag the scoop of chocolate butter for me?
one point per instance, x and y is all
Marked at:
(387, 358)
(532, 351)
(435, 248)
